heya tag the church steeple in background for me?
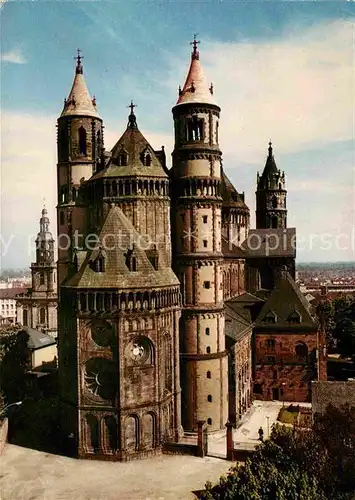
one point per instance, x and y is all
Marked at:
(44, 241)
(271, 211)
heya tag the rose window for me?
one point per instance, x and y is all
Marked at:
(100, 378)
(139, 351)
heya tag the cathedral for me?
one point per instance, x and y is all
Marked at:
(161, 281)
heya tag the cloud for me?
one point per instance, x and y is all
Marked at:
(297, 90)
(29, 159)
(28, 174)
(14, 56)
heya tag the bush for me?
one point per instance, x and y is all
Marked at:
(312, 464)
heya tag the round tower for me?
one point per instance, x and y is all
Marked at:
(197, 253)
(271, 194)
(80, 146)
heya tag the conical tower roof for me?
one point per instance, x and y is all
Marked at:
(79, 102)
(195, 89)
(270, 165)
(271, 175)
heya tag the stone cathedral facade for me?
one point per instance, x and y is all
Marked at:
(155, 280)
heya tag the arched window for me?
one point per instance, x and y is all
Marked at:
(207, 331)
(63, 145)
(194, 129)
(208, 349)
(100, 264)
(208, 374)
(61, 217)
(41, 279)
(25, 317)
(131, 431)
(274, 222)
(274, 202)
(123, 159)
(93, 432)
(147, 160)
(98, 143)
(301, 350)
(42, 315)
(209, 421)
(209, 398)
(111, 432)
(82, 140)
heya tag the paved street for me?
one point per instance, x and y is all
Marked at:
(32, 475)
(27, 474)
(262, 413)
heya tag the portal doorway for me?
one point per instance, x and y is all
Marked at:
(275, 393)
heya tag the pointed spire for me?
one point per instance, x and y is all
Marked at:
(132, 121)
(44, 221)
(270, 165)
(44, 240)
(79, 66)
(195, 53)
(79, 102)
(195, 89)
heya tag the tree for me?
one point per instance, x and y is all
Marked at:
(312, 464)
(338, 316)
(14, 364)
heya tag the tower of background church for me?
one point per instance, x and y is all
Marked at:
(38, 308)
(271, 194)
(196, 221)
(80, 145)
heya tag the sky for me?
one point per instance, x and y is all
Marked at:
(283, 71)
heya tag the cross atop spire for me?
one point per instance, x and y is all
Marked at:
(132, 122)
(195, 53)
(79, 66)
(270, 148)
(132, 106)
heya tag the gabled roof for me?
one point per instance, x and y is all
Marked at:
(231, 197)
(118, 237)
(79, 102)
(12, 293)
(284, 300)
(269, 242)
(38, 339)
(134, 145)
(195, 89)
(240, 312)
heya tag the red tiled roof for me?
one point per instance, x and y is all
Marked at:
(10, 293)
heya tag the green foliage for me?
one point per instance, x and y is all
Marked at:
(312, 464)
(14, 364)
(287, 417)
(339, 322)
(37, 425)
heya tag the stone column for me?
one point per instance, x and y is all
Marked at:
(201, 431)
(230, 444)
